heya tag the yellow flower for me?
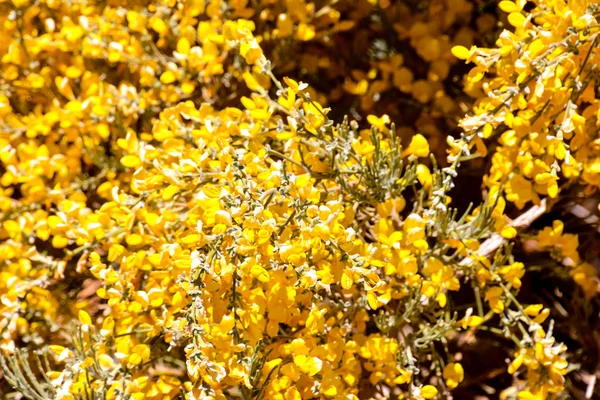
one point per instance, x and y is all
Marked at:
(492, 296)
(418, 146)
(428, 392)
(379, 122)
(453, 374)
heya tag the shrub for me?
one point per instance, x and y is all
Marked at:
(183, 217)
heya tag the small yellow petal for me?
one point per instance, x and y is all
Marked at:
(84, 317)
(418, 146)
(508, 232)
(461, 52)
(508, 6)
(59, 242)
(428, 392)
(533, 310)
(134, 240)
(191, 239)
(516, 19)
(168, 77)
(183, 46)
(105, 361)
(130, 161)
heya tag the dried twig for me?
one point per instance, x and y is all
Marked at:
(590, 388)
(496, 240)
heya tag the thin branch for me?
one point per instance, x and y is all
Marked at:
(496, 240)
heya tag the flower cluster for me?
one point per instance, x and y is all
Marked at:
(537, 103)
(181, 219)
(381, 57)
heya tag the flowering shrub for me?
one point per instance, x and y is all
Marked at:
(183, 217)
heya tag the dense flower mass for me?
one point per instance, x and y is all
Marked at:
(257, 199)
